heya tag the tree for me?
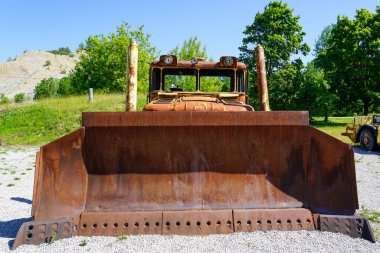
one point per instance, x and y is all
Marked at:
(279, 32)
(103, 61)
(322, 42)
(351, 62)
(314, 95)
(192, 48)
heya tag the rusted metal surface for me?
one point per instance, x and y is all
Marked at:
(201, 222)
(355, 226)
(148, 167)
(119, 223)
(199, 64)
(37, 232)
(61, 184)
(189, 118)
(164, 159)
(198, 104)
(248, 220)
(262, 79)
(132, 77)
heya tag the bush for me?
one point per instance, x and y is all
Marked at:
(61, 51)
(4, 100)
(64, 87)
(47, 88)
(47, 63)
(51, 87)
(19, 97)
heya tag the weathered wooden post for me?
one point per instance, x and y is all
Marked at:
(262, 79)
(132, 77)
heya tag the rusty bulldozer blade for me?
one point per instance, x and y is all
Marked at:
(193, 173)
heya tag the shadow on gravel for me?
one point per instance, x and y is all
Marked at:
(9, 229)
(22, 200)
(359, 150)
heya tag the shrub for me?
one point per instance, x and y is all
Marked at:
(3, 99)
(47, 88)
(64, 87)
(47, 63)
(61, 51)
(19, 97)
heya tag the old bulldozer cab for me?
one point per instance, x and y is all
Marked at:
(225, 77)
(194, 163)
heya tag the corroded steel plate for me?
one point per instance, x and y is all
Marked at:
(273, 219)
(37, 232)
(120, 223)
(200, 222)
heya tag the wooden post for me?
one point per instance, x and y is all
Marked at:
(262, 79)
(132, 77)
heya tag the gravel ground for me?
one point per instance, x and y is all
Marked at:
(16, 186)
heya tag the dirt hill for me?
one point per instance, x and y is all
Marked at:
(24, 72)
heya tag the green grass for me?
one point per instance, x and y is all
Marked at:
(334, 127)
(43, 121)
(46, 120)
(370, 215)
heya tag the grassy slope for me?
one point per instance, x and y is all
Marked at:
(41, 122)
(333, 127)
(47, 120)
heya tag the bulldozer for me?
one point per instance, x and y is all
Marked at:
(365, 131)
(194, 162)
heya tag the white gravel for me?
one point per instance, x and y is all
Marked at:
(15, 204)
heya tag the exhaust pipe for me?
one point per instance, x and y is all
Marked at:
(132, 77)
(262, 79)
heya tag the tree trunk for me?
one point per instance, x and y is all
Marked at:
(366, 106)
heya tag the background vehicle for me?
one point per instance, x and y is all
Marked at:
(365, 130)
(194, 163)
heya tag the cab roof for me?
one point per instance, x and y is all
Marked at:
(225, 62)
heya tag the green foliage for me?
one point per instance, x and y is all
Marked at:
(47, 63)
(19, 97)
(322, 42)
(122, 237)
(4, 100)
(64, 87)
(192, 48)
(370, 215)
(313, 94)
(350, 58)
(61, 51)
(52, 238)
(47, 88)
(83, 243)
(52, 87)
(103, 61)
(279, 32)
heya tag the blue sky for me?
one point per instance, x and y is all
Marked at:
(47, 25)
